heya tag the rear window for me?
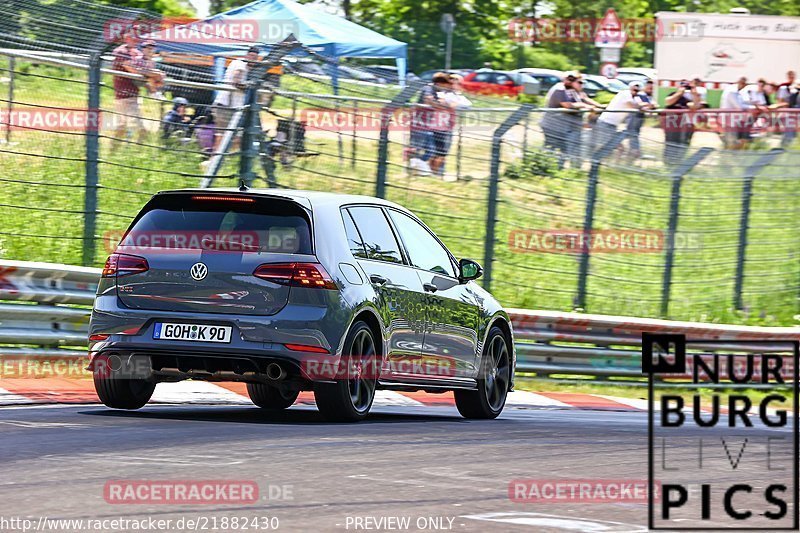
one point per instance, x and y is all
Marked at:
(214, 222)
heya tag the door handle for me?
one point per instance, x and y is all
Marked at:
(375, 279)
(430, 287)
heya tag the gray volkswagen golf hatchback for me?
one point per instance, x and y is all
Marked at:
(295, 290)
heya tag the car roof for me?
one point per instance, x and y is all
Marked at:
(309, 199)
(549, 71)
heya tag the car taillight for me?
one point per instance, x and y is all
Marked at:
(124, 265)
(311, 275)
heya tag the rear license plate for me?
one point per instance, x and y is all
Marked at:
(192, 332)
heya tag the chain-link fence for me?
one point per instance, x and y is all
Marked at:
(563, 213)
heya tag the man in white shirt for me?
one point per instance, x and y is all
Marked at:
(736, 126)
(614, 114)
(227, 102)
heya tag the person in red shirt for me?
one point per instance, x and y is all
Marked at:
(126, 91)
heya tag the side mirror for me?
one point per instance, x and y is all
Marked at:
(468, 270)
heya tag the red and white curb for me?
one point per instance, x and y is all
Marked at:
(65, 391)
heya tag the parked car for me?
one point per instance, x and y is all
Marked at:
(593, 84)
(295, 290)
(500, 83)
(546, 77)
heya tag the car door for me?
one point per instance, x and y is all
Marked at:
(453, 313)
(400, 296)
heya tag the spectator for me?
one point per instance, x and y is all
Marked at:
(206, 132)
(422, 115)
(756, 95)
(228, 102)
(444, 104)
(644, 102)
(789, 98)
(562, 129)
(701, 90)
(176, 120)
(678, 128)
(126, 92)
(736, 126)
(146, 66)
(614, 115)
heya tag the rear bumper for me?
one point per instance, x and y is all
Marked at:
(255, 341)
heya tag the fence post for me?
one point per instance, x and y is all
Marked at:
(744, 219)
(251, 127)
(588, 220)
(355, 134)
(92, 157)
(494, 185)
(383, 142)
(12, 67)
(672, 224)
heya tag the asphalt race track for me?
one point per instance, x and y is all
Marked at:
(427, 464)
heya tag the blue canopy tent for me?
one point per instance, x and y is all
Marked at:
(273, 20)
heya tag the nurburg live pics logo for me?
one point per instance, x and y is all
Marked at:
(724, 453)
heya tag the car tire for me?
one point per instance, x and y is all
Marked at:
(118, 392)
(350, 399)
(487, 401)
(270, 397)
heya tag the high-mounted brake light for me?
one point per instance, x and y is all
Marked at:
(311, 275)
(124, 265)
(242, 199)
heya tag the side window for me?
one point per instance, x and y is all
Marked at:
(353, 238)
(484, 77)
(376, 234)
(424, 250)
(502, 78)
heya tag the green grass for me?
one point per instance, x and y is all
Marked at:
(41, 211)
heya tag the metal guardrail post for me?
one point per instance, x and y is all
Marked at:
(494, 185)
(92, 159)
(383, 141)
(672, 224)
(588, 220)
(12, 67)
(744, 219)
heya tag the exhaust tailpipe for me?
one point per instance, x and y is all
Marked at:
(275, 372)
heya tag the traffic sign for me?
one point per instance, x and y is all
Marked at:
(610, 55)
(609, 70)
(609, 31)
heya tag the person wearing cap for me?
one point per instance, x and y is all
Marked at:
(645, 102)
(678, 129)
(176, 119)
(617, 112)
(228, 102)
(126, 92)
(146, 65)
(562, 127)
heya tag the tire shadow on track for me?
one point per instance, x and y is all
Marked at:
(249, 415)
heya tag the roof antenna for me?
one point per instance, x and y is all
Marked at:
(243, 186)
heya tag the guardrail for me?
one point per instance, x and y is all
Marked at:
(44, 312)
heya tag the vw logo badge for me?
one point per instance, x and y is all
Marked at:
(199, 271)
